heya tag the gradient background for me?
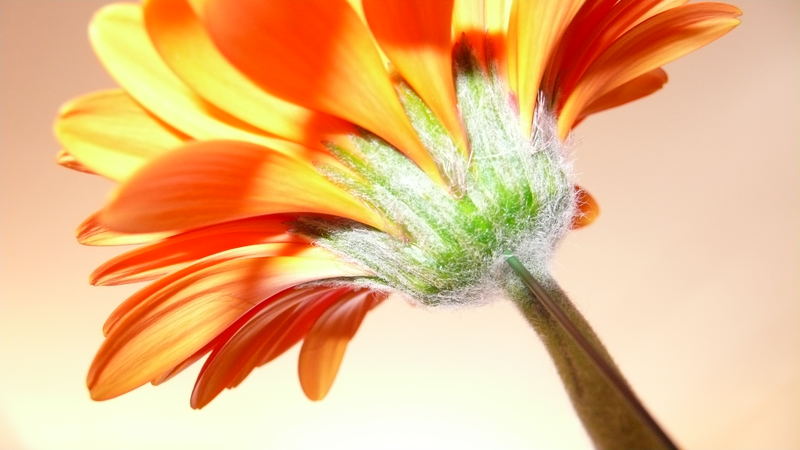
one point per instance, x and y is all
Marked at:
(690, 276)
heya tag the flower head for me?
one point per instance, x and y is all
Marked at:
(288, 164)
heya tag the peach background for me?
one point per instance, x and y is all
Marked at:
(690, 276)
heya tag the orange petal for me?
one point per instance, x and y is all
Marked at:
(210, 182)
(639, 87)
(325, 344)
(185, 364)
(468, 15)
(92, 232)
(661, 6)
(416, 36)
(645, 47)
(534, 29)
(594, 29)
(316, 53)
(186, 47)
(468, 23)
(177, 316)
(262, 334)
(588, 209)
(121, 42)
(146, 296)
(180, 250)
(483, 25)
(110, 134)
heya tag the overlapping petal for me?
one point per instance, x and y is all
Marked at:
(482, 25)
(110, 134)
(639, 87)
(261, 335)
(416, 36)
(174, 252)
(121, 42)
(325, 344)
(533, 30)
(594, 30)
(92, 232)
(186, 48)
(220, 134)
(319, 54)
(176, 316)
(217, 181)
(658, 40)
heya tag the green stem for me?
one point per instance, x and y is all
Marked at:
(610, 411)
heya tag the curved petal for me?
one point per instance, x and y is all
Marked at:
(639, 87)
(121, 42)
(175, 317)
(647, 46)
(186, 47)
(534, 29)
(316, 53)
(217, 343)
(149, 294)
(180, 250)
(183, 365)
(217, 181)
(264, 333)
(326, 342)
(593, 33)
(416, 36)
(661, 6)
(92, 232)
(110, 134)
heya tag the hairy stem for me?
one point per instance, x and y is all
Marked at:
(610, 411)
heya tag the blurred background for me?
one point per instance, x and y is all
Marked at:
(690, 276)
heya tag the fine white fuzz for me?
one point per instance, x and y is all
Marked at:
(513, 195)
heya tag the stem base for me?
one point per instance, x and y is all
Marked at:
(612, 415)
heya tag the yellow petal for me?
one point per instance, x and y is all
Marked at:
(468, 15)
(110, 134)
(319, 54)
(534, 29)
(65, 159)
(469, 25)
(121, 42)
(211, 182)
(186, 47)
(484, 25)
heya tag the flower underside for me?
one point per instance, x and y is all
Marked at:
(510, 194)
(287, 164)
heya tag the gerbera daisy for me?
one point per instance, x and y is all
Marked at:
(286, 165)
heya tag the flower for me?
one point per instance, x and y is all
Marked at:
(286, 164)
